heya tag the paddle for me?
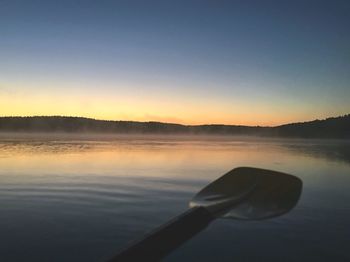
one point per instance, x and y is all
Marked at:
(243, 193)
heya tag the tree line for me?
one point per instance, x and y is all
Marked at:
(335, 127)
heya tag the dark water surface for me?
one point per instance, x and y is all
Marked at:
(82, 199)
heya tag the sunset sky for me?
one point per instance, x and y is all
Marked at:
(191, 62)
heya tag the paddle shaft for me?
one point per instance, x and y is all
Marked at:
(164, 239)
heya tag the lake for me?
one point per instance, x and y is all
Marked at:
(81, 198)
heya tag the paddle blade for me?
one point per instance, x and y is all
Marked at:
(274, 194)
(250, 193)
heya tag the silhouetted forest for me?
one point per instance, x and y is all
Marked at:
(335, 127)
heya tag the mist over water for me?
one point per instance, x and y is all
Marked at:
(71, 198)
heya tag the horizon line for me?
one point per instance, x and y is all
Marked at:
(171, 123)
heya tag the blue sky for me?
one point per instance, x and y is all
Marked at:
(244, 62)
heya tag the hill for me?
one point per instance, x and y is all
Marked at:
(336, 127)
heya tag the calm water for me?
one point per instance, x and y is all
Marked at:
(72, 199)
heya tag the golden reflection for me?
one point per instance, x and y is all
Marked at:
(136, 156)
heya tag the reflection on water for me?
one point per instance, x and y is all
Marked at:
(81, 199)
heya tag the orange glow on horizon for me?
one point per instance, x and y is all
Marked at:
(188, 111)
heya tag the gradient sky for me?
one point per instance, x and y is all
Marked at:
(192, 62)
